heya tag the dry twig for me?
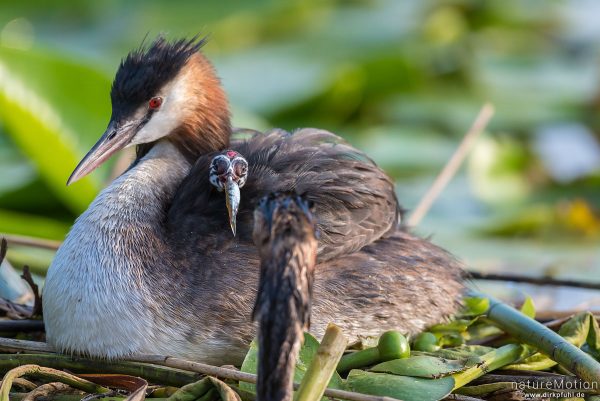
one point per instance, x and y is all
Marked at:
(31, 241)
(533, 280)
(37, 303)
(450, 169)
(46, 390)
(3, 248)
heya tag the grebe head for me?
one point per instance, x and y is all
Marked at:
(228, 172)
(167, 90)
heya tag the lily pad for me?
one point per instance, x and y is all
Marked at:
(399, 387)
(464, 352)
(421, 366)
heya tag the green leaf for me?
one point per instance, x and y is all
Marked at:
(192, 391)
(457, 325)
(30, 225)
(576, 329)
(399, 387)
(32, 88)
(206, 389)
(463, 352)
(226, 393)
(307, 352)
(420, 366)
(37, 259)
(475, 306)
(528, 308)
(482, 330)
(495, 359)
(534, 362)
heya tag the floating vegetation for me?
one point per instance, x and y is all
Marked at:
(489, 351)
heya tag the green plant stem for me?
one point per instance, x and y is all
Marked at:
(358, 359)
(55, 375)
(323, 365)
(531, 332)
(490, 361)
(156, 374)
(178, 370)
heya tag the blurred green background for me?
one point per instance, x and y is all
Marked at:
(402, 80)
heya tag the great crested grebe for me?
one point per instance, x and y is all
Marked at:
(152, 265)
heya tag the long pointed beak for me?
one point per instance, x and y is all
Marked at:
(113, 139)
(232, 200)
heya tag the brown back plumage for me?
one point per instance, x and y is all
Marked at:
(354, 200)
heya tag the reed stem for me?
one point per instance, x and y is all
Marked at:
(323, 365)
(535, 334)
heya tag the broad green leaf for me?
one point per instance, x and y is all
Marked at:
(250, 365)
(32, 88)
(399, 387)
(576, 329)
(457, 325)
(420, 366)
(528, 308)
(307, 352)
(534, 362)
(593, 338)
(30, 225)
(454, 333)
(206, 389)
(17, 172)
(481, 330)
(37, 259)
(463, 352)
(493, 360)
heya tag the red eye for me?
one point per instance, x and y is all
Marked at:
(155, 103)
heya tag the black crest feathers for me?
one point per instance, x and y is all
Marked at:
(145, 70)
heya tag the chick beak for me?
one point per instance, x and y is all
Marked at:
(114, 139)
(232, 200)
